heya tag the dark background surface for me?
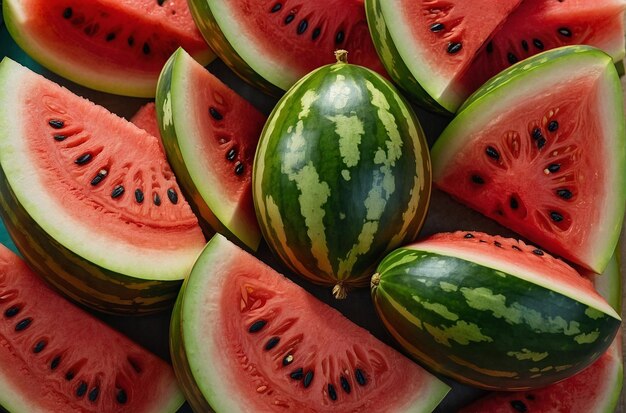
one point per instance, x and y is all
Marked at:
(444, 215)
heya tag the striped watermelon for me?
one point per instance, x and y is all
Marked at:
(492, 312)
(341, 175)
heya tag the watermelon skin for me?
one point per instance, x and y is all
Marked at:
(451, 302)
(222, 369)
(341, 175)
(590, 231)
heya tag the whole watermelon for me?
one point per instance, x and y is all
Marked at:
(341, 176)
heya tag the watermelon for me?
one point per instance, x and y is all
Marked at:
(108, 45)
(540, 149)
(257, 347)
(341, 175)
(146, 119)
(57, 358)
(439, 52)
(492, 312)
(210, 134)
(273, 44)
(89, 198)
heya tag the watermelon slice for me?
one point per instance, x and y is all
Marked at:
(90, 199)
(57, 358)
(117, 47)
(146, 119)
(273, 44)
(540, 149)
(243, 338)
(210, 135)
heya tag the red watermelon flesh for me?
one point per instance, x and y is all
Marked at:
(55, 357)
(539, 25)
(113, 46)
(146, 119)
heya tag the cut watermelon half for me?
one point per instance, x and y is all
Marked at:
(90, 199)
(272, 44)
(540, 149)
(244, 338)
(210, 135)
(57, 358)
(112, 46)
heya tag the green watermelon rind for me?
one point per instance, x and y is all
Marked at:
(530, 72)
(179, 139)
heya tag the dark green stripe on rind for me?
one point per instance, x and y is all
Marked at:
(483, 327)
(301, 147)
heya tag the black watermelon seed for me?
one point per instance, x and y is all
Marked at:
(541, 143)
(483, 241)
(239, 168)
(117, 191)
(287, 360)
(516, 248)
(60, 138)
(172, 195)
(525, 45)
(56, 124)
(257, 326)
(564, 193)
(360, 377)
(69, 375)
(537, 134)
(160, 2)
(339, 37)
(556, 217)
(497, 244)
(289, 18)
(67, 13)
(102, 173)
(489, 47)
(271, 343)
(121, 397)
(146, 48)
(156, 199)
(93, 394)
(55, 363)
(492, 153)
(469, 236)
(530, 397)
(513, 203)
(454, 47)
(23, 324)
(12, 311)
(538, 44)
(537, 251)
(345, 385)
(437, 27)
(308, 378)
(83, 159)
(231, 154)
(39, 346)
(519, 406)
(553, 126)
(512, 58)
(131, 41)
(215, 114)
(302, 26)
(478, 180)
(564, 31)
(110, 37)
(332, 393)
(139, 196)
(316, 33)
(297, 374)
(81, 389)
(276, 8)
(554, 167)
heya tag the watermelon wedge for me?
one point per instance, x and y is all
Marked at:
(540, 149)
(89, 199)
(112, 46)
(57, 358)
(146, 119)
(244, 338)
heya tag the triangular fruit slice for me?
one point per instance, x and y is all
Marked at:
(427, 45)
(210, 135)
(540, 149)
(146, 119)
(264, 344)
(109, 45)
(57, 358)
(89, 198)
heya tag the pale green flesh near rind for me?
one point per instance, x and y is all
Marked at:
(545, 336)
(341, 174)
(539, 72)
(122, 83)
(179, 139)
